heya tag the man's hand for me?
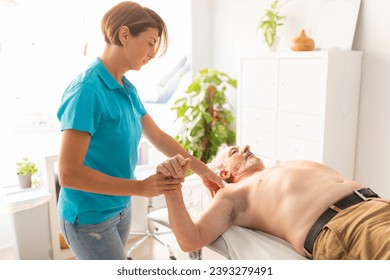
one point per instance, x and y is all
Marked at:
(175, 167)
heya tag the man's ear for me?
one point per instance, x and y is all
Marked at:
(224, 174)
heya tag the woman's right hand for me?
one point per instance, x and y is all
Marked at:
(159, 183)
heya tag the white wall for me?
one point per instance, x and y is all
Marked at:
(373, 146)
(201, 34)
(234, 35)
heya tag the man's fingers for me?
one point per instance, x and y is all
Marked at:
(162, 169)
(180, 159)
(175, 167)
(177, 164)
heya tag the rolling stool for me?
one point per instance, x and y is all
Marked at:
(151, 232)
(161, 216)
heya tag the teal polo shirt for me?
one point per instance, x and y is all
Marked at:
(96, 103)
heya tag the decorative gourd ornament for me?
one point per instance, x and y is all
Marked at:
(302, 43)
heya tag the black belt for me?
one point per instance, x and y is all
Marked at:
(356, 197)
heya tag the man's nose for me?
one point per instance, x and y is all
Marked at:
(245, 148)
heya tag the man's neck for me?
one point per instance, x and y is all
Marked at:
(255, 169)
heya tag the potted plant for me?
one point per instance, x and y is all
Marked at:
(206, 114)
(25, 169)
(270, 23)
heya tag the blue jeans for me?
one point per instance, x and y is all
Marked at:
(102, 241)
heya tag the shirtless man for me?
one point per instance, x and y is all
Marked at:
(286, 201)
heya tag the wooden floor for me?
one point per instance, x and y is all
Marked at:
(148, 250)
(153, 250)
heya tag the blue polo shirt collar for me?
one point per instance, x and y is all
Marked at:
(107, 78)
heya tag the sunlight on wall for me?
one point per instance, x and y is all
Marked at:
(43, 45)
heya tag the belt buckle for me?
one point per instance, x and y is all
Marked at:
(360, 195)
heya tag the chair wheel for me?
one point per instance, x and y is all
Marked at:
(196, 255)
(129, 258)
(172, 257)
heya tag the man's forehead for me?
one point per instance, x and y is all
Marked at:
(232, 147)
(229, 149)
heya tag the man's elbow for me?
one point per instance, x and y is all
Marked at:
(189, 247)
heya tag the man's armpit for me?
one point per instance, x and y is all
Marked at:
(239, 207)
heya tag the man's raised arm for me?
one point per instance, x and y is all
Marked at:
(193, 235)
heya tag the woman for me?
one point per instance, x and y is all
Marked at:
(102, 119)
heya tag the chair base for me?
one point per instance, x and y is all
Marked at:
(196, 255)
(154, 234)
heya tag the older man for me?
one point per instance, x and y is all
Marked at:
(312, 206)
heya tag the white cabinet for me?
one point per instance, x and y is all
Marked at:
(50, 170)
(301, 105)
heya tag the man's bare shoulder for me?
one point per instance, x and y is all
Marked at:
(232, 194)
(229, 195)
(231, 189)
(231, 200)
(225, 193)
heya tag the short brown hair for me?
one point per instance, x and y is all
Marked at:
(138, 19)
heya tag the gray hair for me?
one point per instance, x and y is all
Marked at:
(217, 163)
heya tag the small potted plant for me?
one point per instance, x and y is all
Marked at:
(270, 23)
(206, 114)
(25, 169)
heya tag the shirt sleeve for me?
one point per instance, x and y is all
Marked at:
(80, 108)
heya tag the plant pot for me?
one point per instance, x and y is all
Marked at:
(274, 46)
(24, 181)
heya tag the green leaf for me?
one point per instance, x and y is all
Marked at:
(194, 87)
(270, 21)
(26, 167)
(269, 37)
(198, 123)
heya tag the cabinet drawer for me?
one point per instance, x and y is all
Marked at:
(298, 125)
(258, 119)
(302, 85)
(261, 143)
(259, 82)
(291, 148)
